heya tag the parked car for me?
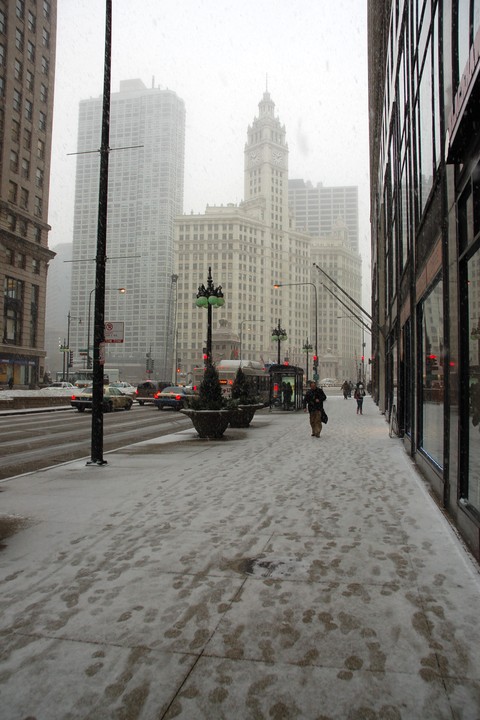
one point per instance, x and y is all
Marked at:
(59, 384)
(328, 382)
(175, 397)
(146, 391)
(113, 399)
(124, 387)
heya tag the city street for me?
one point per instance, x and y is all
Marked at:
(37, 440)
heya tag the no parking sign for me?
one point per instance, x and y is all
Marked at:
(114, 332)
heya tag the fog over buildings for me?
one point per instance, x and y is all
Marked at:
(321, 95)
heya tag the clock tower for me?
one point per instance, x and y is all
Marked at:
(266, 165)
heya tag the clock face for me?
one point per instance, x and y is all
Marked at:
(255, 156)
(277, 156)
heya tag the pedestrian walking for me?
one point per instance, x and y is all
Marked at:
(359, 394)
(10, 382)
(346, 389)
(313, 403)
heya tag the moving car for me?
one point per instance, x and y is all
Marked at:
(146, 391)
(59, 384)
(124, 387)
(175, 397)
(113, 399)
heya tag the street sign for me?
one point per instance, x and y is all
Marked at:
(114, 332)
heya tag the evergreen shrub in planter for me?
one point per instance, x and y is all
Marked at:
(246, 403)
(209, 414)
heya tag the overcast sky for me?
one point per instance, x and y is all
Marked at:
(217, 55)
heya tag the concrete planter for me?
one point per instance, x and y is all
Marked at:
(243, 415)
(209, 424)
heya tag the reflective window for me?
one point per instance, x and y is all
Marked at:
(426, 133)
(431, 312)
(12, 310)
(474, 380)
(469, 225)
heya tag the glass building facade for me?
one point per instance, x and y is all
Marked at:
(424, 91)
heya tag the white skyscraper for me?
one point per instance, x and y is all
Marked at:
(146, 173)
(250, 247)
(253, 247)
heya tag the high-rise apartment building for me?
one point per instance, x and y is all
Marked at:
(27, 67)
(318, 209)
(146, 172)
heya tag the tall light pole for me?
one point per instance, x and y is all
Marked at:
(209, 297)
(69, 353)
(171, 332)
(278, 336)
(315, 357)
(101, 256)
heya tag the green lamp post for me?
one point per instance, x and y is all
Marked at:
(278, 336)
(308, 347)
(209, 297)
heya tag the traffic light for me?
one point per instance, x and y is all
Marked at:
(70, 358)
(149, 364)
(205, 356)
(363, 358)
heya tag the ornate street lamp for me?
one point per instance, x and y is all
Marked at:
(278, 336)
(209, 297)
(306, 349)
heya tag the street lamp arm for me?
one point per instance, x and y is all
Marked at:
(360, 320)
(343, 291)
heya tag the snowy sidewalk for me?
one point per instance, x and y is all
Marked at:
(266, 575)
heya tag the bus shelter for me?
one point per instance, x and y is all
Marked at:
(286, 387)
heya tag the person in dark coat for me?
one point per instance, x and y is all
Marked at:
(313, 402)
(359, 395)
(346, 389)
(287, 395)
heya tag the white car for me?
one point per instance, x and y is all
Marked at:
(60, 385)
(124, 387)
(328, 382)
